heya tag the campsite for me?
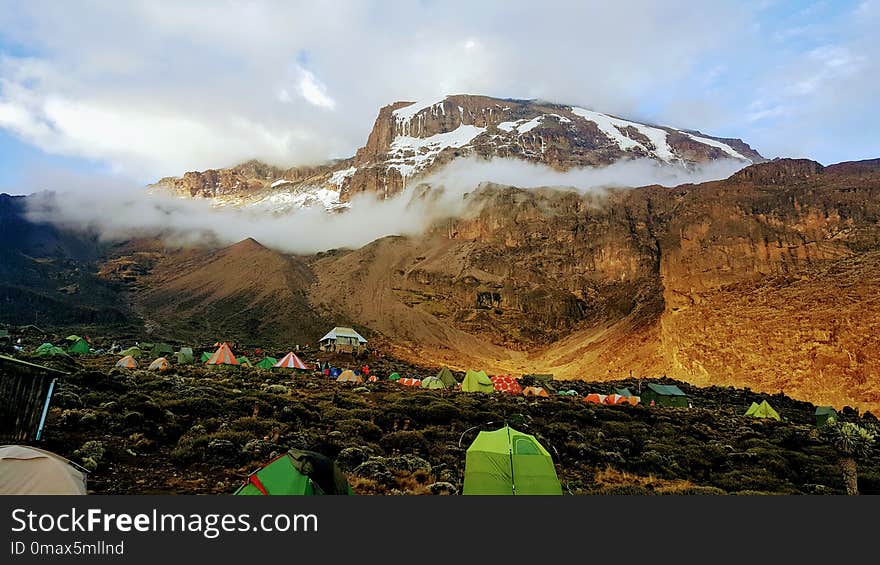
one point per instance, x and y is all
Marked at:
(187, 426)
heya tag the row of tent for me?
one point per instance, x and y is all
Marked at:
(76, 345)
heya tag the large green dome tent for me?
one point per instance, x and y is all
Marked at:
(508, 461)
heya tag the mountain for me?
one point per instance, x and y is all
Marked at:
(412, 139)
(768, 279)
(47, 275)
(245, 291)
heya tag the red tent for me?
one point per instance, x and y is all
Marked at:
(615, 399)
(291, 361)
(506, 383)
(223, 356)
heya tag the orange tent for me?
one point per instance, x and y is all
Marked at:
(160, 364)
(535, 391)
(615, 399)
(291, 361)
(506, 383)
(127, 362)
(373, 379)
(223, 356)
(410, 382)
(595, 398)
(348, 376)
(633, 400)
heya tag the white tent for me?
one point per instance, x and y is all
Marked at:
(342, 339)
(28, 470)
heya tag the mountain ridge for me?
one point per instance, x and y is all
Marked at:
(409, 140)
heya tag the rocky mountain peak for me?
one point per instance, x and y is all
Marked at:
(412, 139)
(779, 171)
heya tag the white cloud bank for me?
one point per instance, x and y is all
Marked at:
(118, 213)
(158, 88)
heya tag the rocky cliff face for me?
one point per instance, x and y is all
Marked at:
(412, 139)
(768, 279)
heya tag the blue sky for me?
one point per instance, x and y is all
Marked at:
(143, 90)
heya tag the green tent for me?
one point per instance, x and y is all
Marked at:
(664, 395)
(48, 350)
(205, 356)
(763, 410)
(393, 377)
(507, 461)
(267, 363)
(432, 383)
(296, 473)
(4, 333)
(73, 337)
(824, 415)
(623, 392)
(477, 381)
(185, 356)
(161, 350)
(243, 361)
(145, 346)
(446, 376)
(133, 351)
(79, 347)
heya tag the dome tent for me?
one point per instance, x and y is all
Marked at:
(477, 381)
(296, 472)
(508, 461)
(28, 470)
(127, 362)
(267, 363)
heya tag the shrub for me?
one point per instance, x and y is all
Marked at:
(405, 442)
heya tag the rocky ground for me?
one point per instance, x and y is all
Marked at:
(197, 430)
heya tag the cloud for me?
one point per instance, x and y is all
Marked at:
(119, 211)
(314, 90)
(158, 88)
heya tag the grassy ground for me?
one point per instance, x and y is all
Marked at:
(199, 430)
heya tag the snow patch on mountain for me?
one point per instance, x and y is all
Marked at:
(614, 129)
(524, 126)
(305, 197)
(715, 143)
(412, 154)
(339, 177)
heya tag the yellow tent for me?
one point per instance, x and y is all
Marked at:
(160, 364)
(348, 376)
